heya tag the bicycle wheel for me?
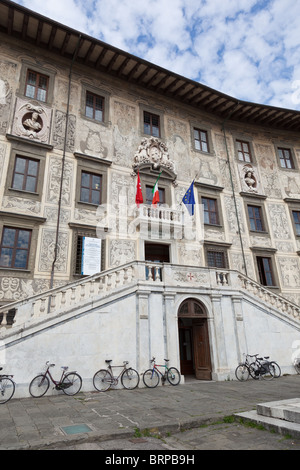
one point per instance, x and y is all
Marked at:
(7, 389)
(173, 376)
(71, 383)
(276, 369)
(151, 378)
(102, 380)
(39, 386)
(242, 372)
(268, 371)
(254, 371)
(130, 379)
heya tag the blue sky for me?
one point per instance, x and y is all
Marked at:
(248, 49)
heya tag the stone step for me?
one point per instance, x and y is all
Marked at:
(288, 410)
(282, 416)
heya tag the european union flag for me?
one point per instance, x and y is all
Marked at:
(189, 200)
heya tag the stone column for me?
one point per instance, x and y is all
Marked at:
(143, 330)
(218, 342)
(239, 324)
(171, 330)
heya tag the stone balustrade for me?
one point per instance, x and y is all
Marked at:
(84, 291)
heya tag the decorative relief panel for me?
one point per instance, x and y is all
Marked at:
(32, 120)
(290, 272)
(22, 205)
(47, 251)
(279, 221)
(231, 217)
(59, 127)
(291, 186)
(121, 252)
(152, 151)
(2, 158)
(125, 134)
(206, 169)
(92, 141)
(54, 177)
(7, 72)
(13, 289)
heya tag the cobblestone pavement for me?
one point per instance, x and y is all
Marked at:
(186, 417)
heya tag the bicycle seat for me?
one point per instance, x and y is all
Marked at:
(108, 360)
(125, 362)
(64, 367)
(266, 357)
(167, 360)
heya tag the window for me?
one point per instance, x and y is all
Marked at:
(265, 271)
(296, 218)
(25, 175)
(149, 195)
(286, 160)
(255, 218)
(36, 86)
(201, 140)
(90, 188)
(14, 249)
(243, 150)
(211, 215)
(151, 124)
(94, 106)
(216, 259)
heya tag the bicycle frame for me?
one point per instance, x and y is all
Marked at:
(55, 382)
(116, 378)
(155, 367)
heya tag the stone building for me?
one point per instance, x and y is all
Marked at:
(86, 273)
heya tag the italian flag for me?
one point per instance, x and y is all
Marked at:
(155, 192)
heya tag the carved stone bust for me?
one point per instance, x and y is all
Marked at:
(31, 120)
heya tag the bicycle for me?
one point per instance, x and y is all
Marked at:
(70, 383)
(242, 372)
(151, 376)
(262, 368)
(7, 387)
(297, 365)
(104, 378)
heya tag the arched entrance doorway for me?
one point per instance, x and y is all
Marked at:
(194, 340)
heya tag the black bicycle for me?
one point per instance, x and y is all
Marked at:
(7, 387)
(242, 372)
(262, 368)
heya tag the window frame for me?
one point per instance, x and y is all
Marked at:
(297, 233)
(95, 97)
(216, 212)
(78, 232)
(25, 174)
(202, 128)
(29, 66)
(38, 154)
(289, 147)
(90, 187)
(211, 247)
(36, 87)
(93, 165)
(15, 247)
(262, 252)
(254, 218)
(243, 138)
(262, 270)
(283, 150)
(241, 151)
(201, 131)
(152, 116)
(153, 111)
(97, 92)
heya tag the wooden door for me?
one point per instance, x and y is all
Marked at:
(186, 347)
(201, 350)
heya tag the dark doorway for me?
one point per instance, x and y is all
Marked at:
(194, 340)
(158, 253)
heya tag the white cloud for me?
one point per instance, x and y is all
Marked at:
(245, 48)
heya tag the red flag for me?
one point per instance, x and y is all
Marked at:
(139, 195)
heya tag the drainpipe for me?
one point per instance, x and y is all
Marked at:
(232, 186)
(63, 166)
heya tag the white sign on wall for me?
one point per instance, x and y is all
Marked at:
(91, 256)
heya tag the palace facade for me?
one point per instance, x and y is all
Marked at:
(88, 273)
